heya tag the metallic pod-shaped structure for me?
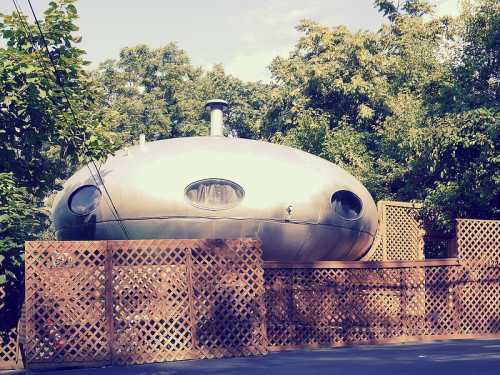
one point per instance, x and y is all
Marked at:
(302, 207)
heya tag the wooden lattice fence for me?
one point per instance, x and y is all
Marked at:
(345, 303)
(147, 301)
(10, 356)
(400, 234)
(130, 302)
(479, 241)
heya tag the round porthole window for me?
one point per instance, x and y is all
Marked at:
(347, 204)
(214, 194)
(84, 200)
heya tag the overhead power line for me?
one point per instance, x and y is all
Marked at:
(29, 35)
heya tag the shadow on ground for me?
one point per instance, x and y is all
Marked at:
(448, 357)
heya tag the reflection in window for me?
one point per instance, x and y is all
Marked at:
(85, 200)
(214, 194)
(347, 204)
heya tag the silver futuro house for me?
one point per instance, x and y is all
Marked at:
(302, 207)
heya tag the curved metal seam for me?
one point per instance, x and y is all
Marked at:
(223, 218)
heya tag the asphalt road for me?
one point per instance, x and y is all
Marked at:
(446, 357)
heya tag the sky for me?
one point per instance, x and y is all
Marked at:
(243, 35)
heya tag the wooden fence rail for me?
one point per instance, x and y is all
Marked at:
(10, 357)
(128, 302)
(346, 303)
(317, 306)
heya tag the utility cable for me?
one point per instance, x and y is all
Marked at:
(100, 180)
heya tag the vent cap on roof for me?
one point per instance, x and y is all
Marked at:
(217, 107)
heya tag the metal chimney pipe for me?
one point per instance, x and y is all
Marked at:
(217, 107)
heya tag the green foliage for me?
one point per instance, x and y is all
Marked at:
(160, 94)
(40, 141)
(367, 87)
(394, 9)
(478, 68)
(462, 161)
(19, 221)
(139, 91)
(411, 110)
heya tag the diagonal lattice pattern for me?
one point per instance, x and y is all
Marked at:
(160, 300)
(151, 301)
(144, 301)
(479, 241)
(375, 304)
(9, 353)
(65, 302)
(478, 246)
(228, 295)
(400, 233)
(376, 252)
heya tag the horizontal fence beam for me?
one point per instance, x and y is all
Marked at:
(368, 264)
(403, 204)
(318, 304)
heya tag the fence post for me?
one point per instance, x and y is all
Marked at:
(108, 288)
(190, 287)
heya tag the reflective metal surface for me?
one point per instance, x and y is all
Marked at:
(286, 199)
(216, 108)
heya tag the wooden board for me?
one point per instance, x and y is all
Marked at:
(129, 302)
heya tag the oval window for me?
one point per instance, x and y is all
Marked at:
(347, 204)
(84, 200)
(214, 194)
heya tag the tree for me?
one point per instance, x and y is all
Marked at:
(411, 110)
(158, 92)
(477, 71)
(459, 160)
(42, 134)
(140, 91)
(463, 136)
(19, 221)
(247, 101)
(366, 89)
(45, 132)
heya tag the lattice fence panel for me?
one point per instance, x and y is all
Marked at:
(65, 302)
(479, 293)
(9, 353)
(151, 301)
(161, 300)
(376, 252)
(479, 247)
(148, 301)
(228, 298)
(479, 240)
(332, 306)
(339, 306)
(280, 306)
(400, 234)
(441, 301)
(401, 231)
(413, 302)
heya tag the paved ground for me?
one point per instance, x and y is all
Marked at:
(443, 358)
